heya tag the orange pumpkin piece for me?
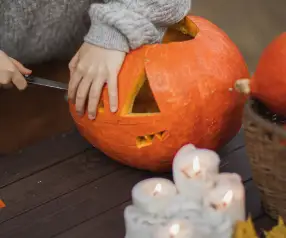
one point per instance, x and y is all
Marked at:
(2, 204)
(171, 94)
(268, 83)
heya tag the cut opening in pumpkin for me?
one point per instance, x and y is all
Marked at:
(142, 100)
(100, 107)
(184, 30)
(147, 140)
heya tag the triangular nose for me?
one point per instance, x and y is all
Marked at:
(142, 100)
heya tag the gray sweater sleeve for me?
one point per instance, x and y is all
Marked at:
(128, 24)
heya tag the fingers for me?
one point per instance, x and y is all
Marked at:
(82, 92)
(19, 81)
(90, 86)
(76, 75)
(94, 95)
(22, 69)
(8, 77)
(113, 91)
(5, 77)
(73, 63)
(75, 80)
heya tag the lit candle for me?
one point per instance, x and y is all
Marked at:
(153, 195)
(228, 196)
(194, 170)
(176, 229)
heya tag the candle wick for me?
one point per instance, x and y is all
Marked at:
(188, 175)
(219, 206)
(214, 206)
(155, 193)
(185, 173)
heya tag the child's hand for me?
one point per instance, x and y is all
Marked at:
(91, 68)
(11, 72)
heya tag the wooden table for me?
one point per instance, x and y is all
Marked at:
(64, 188)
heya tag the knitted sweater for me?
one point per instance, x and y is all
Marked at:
(37, 31)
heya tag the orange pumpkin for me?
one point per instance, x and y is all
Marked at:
(268, 83)
(169, 95)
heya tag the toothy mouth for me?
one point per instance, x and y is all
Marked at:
(147, 140)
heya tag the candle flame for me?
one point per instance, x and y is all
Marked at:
(174, 229)
(228, 197)
(196, 165)
(195, 171)
(158, 188)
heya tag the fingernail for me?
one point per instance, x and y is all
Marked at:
(91, 117)
(80, 114)
(113, 109)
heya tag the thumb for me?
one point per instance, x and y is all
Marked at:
(20, 67)
(73, 63)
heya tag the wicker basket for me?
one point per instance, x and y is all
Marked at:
(266, 148)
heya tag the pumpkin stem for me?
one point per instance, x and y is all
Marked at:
(242, 86)
(184, 30)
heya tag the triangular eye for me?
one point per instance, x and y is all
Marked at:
(144, 101)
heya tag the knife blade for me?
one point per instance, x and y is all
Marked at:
(46, 82)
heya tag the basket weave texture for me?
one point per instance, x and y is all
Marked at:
(266, 149)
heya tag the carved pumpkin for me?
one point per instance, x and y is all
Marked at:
(268, 84)
(169, 95)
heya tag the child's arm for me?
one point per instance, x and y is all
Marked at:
(116, 27)
(127, 24)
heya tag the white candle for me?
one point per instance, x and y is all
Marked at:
(228, 196)
(182, 206)
(178, 228)
(219, 222)
(194, 170)
(153, 195)
(139, 224)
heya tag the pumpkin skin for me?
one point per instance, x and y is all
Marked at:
(269, 80)
(268, 83)
(192, 84)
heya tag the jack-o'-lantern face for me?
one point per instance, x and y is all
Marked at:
(138, 107)
(168, 96)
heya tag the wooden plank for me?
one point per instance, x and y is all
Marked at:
(50, 184)
(234, 144)
(40, 156)
(237, 162)
(109, 224)
(75, 207)
(234, 158)
(253, 201)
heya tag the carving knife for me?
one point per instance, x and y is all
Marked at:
(46, 82)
